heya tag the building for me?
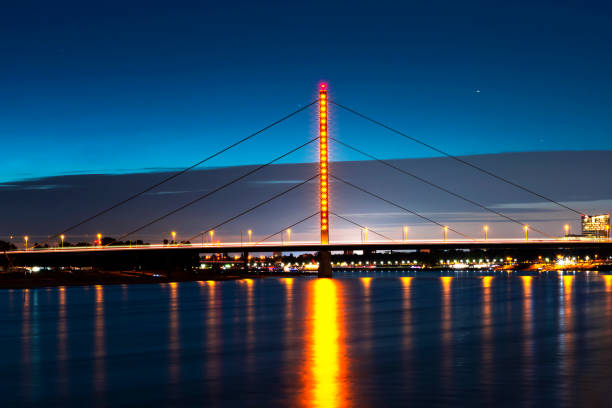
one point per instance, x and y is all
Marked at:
(596, 226)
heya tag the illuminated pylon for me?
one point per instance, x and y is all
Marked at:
(323, 172)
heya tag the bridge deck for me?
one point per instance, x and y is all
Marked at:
(338, 246)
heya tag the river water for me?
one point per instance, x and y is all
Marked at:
(362, 339)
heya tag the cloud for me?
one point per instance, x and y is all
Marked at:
(276, 181)
(33, 186)
(47, 205)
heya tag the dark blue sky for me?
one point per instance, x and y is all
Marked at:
(110, 87)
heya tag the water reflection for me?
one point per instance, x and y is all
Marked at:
(250, 321)
(288, 282)
(608, 282)
(447, 334)
(174, 345)
(487, 334)
(99, 346)
(289, 312)
(527, 349)
(324, 380)
(406, 316)
(292, 349)
(435, 342)
(62, 340)
(366, 317)
(26, 345)
(213, 337)
(608, 288)
(566, 335)
(407, 328)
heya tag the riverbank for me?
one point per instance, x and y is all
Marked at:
(29, 280)
(26, 279)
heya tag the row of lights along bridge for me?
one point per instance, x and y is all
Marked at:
(364, 235)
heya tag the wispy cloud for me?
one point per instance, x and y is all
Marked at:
(276, 181)
(32, 186)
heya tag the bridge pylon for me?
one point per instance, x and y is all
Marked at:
(325, 270)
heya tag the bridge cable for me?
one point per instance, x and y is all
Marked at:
(462, 161)
(229, 183)
(255, 207)
(387, 163)
(287, 227)
(400, 207)
(361, 226)
(175, 175)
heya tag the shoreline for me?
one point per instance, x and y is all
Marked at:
(21, 280)
(92, 278)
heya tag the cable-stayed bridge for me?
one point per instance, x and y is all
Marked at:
(369, 238)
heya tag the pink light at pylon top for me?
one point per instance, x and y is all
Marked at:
(323, 85)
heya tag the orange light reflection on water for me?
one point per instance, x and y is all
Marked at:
(324, 378)
(288, 299)
(447, 334)
(407, 326)
(487, 336)
(608, 282)
(446, 308)
(407, 318)
(214, 343)
(62, 337)
(250, 323)
(99, 345)
(174, 337)
(528, 369)
(566, 327)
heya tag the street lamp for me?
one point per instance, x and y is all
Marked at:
(365, 234)
(62, 238)
(486, 232)
(405, 233)
(212, 234)
(173, 237)
(250, 234)
(289, 234)
(99, 239)
(26, 241)
(566, 227)
(445, 233)
(526, 228)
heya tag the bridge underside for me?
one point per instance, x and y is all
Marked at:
(182, 257)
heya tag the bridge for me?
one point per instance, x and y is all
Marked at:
(53, 252)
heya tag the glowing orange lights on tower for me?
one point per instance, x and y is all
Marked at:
(323, 156)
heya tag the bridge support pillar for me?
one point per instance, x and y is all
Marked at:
(325, 269)
(245, 261)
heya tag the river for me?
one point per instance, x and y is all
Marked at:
(360, 339)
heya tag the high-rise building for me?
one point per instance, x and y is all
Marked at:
(596, 226)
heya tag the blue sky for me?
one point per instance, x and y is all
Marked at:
(116, 87)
